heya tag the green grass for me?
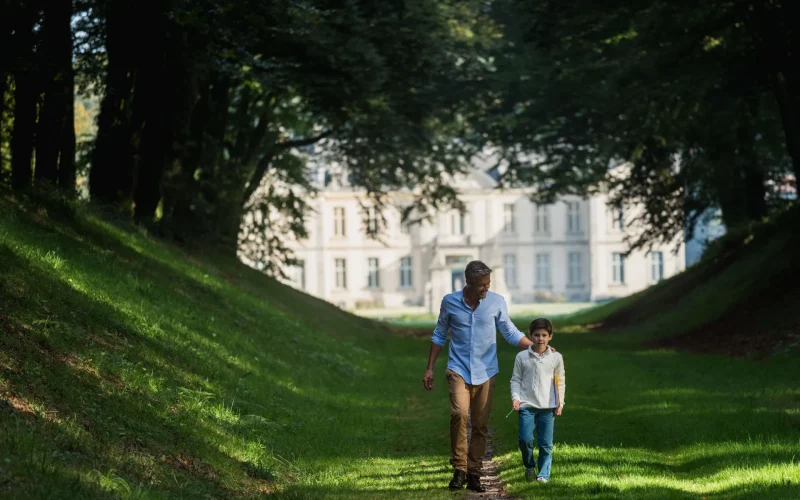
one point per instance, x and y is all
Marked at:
(657, 424)
(137, 370)
(413, 315)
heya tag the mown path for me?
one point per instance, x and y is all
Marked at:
(495, 488)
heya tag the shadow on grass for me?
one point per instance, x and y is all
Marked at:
(69, 364)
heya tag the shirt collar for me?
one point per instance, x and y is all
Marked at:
(540, 356)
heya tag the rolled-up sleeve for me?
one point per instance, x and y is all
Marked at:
(442, 326)
(510, 332)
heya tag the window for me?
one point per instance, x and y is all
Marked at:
(341, 274)
(618, 216)
(543, 269)
(372, 220)
(509, 222)
(573, 217)
(373, 276)
(542, 219)
(299, 277)
(656, 267)
(617, 268)
(575, 276)
(457, 223)
(406, 273)
(510, 269)
(401, 209)
(339, 228)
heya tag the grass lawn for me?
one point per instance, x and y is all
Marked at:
(131, 369)
(410, 316)
(657, 424)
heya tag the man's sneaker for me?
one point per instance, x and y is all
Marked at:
(542, 479)
(459, 479)
(530, 475)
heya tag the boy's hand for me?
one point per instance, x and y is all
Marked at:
(558, 410)
(516, 405)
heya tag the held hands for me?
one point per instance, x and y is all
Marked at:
(516, 405)
(427, 380)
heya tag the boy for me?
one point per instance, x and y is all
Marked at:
(537, 390)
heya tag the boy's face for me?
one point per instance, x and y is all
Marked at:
(540, 338)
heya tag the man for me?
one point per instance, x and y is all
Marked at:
(473, 316)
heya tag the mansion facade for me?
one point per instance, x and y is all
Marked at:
(571, 250)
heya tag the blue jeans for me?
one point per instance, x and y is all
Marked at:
(541, 421)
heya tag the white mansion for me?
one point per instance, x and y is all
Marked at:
(571, 250)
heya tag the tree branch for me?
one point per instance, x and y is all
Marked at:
(298, 143)
(263, 163)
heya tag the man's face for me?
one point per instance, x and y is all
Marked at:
(481, 285)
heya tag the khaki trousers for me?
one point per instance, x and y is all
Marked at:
(466, 400)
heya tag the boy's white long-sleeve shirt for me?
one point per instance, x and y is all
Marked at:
(538, 380)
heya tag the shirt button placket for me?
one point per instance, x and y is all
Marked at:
(472, 345)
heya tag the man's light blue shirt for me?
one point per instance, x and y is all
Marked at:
(473, 334)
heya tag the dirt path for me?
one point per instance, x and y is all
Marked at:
(490, 478)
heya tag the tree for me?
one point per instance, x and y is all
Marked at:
(55, 136)
(24, 65)
(219, 93)
(6, 37)
(113, 174)
(652, 84)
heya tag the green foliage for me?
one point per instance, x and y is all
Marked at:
(680, 92)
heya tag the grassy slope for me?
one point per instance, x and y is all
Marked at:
(137, 370)
(741, 299)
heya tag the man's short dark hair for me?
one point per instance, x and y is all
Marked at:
(475, 270)
(541, 324)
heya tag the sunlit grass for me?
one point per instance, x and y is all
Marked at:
(658, 424)
(702, 469)
(137, 371)
(142, 371)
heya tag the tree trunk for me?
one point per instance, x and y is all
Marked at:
(170, 114)
(790, 118)
(57, 69)
(66, 161)
(777, 41)
(753, 177)
(190, 187)
(3, 87)
(112, 176)
(180, 185)
(790, 13)
(152, 97)
(5, 63)
(25, 97)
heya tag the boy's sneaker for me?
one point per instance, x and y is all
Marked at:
(530, 475)
(542, 479)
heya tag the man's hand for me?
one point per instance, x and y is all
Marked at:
(427, 380)
(558, 410)
(552, 348)
(516, 405)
